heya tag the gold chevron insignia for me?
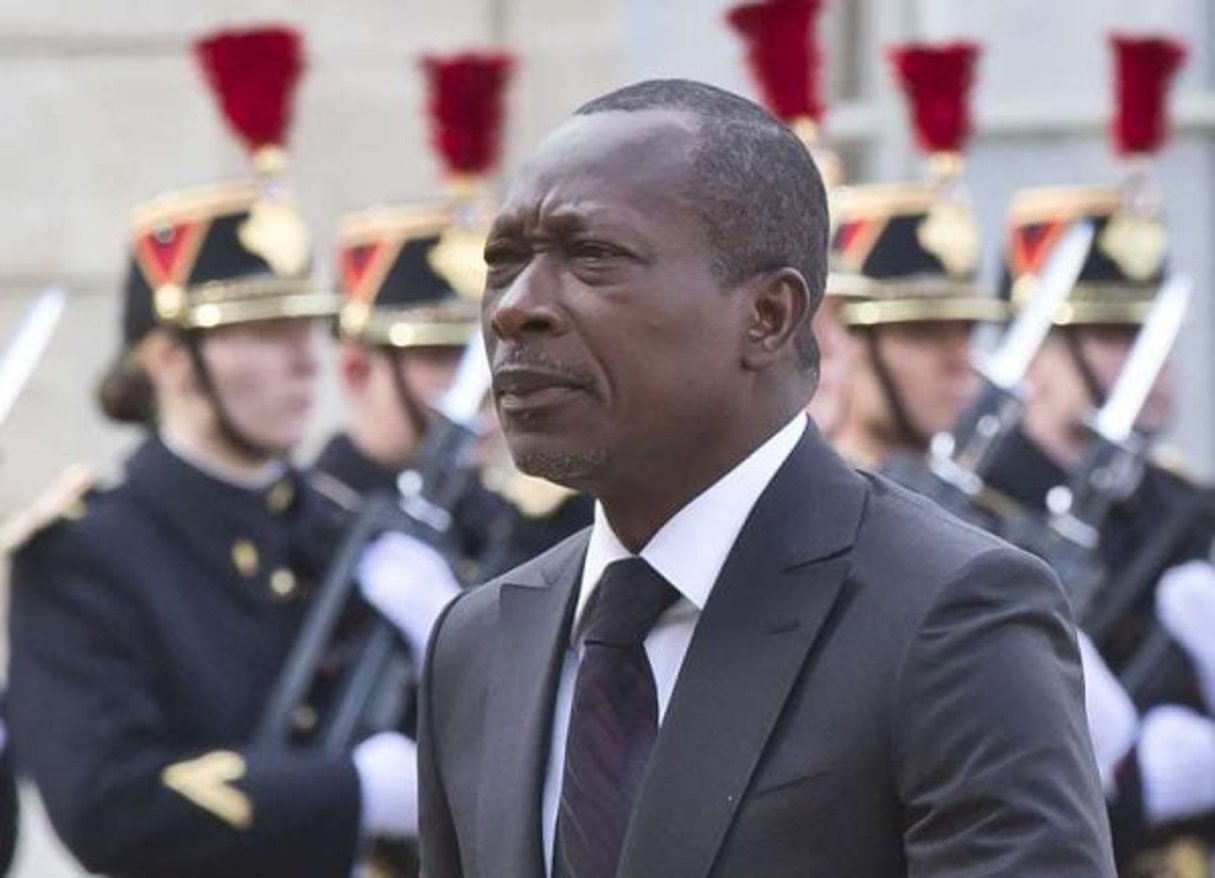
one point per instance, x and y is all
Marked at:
(206, 781)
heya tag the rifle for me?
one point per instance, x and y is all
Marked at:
(1158, 662)
(959, 462)
(1112, 469)
(372, 692)
(965, 456)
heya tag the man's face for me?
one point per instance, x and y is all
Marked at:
(614, 347)
(930, 365)
(265, 375)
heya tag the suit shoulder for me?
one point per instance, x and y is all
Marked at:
(548, 563)
(903, 510)
(927, 546)
(539, 572)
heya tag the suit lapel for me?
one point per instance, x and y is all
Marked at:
(534, 613)
(766, 611)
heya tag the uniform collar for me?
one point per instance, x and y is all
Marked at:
(343, 461)
(264, 476)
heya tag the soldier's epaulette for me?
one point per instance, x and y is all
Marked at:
(1169, 459)
(533, 497)
(65, 499)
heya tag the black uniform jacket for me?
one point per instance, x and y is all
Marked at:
(489, 534)
(1026, 473)
(146, 634)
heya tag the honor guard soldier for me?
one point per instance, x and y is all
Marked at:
(1164, 788)
(1125, 267)
(402, 330)
(785, 60)
(149, 619)
(412, 279)
(910, 252)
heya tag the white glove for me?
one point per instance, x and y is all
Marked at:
(1113, 722)
(387, 765)
(1185, 606)
(408, 582)
(1177, 763)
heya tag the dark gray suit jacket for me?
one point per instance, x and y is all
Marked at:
(874, 689)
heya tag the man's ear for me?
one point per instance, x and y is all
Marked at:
(780, 306)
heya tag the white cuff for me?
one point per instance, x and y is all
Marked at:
(1185, 605)
(1177, 764)
(408, 582)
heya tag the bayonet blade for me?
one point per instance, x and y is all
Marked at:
(1153, 344)
(462, 403)
(1006, 367)
(29, 340)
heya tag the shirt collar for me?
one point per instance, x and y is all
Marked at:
(691, 548)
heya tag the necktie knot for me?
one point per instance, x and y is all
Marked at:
(628, 600)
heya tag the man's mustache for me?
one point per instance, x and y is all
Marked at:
(524, 358)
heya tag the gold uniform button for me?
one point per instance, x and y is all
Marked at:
(304, 719)
(245, 558)
(280, 497)
(283, 583)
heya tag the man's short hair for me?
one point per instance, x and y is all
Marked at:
(753, 182)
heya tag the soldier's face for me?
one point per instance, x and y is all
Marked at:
(265, 374)
(428, 371)
(614, 347)
(1059, 405)
(424, 373)
(931, 368)
(837, 362)
(1105, 349)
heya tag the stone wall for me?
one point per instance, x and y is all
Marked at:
(103, 107)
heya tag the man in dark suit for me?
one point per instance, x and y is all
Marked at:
(757, 662)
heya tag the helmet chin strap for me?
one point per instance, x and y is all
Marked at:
(227, 428)
(415, 411)
(907, 432)
(1096, 393)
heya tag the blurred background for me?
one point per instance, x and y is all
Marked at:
(102, 107)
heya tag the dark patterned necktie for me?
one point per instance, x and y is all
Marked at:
(613, 720)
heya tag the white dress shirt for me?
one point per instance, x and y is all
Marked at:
(689, 550)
